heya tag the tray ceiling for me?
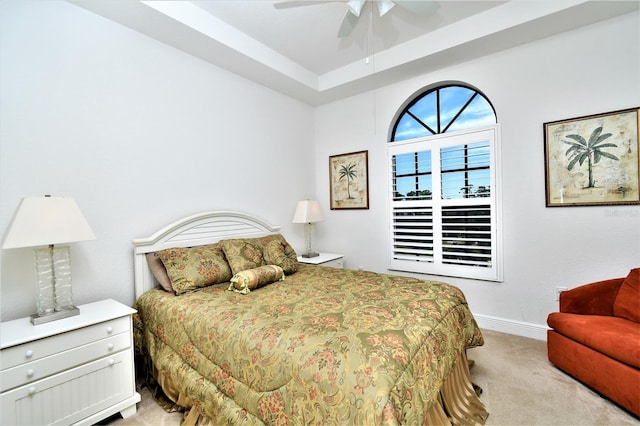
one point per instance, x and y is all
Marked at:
(296, 50)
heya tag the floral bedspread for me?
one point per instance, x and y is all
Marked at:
(324, 346)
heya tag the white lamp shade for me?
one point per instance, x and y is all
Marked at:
(41, 221)
(308, 211)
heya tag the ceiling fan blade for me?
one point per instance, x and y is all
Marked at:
(286, 4)
(423, 7)
(384, 6)
(348, 24)
(355, 6)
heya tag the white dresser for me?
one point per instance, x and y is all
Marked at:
(333, 260)
(77, 370)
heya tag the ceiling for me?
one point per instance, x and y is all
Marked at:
(296, 51)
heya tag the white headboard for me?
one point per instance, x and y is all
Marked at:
(197, 230)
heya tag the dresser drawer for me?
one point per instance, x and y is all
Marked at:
(73, 395)
(43, 367)
(77, 370)
(38, 349)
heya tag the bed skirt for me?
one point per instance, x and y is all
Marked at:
(458, 402)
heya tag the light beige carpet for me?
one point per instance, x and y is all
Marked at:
(520, 387)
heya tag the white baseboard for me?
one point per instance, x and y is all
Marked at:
(524, 329)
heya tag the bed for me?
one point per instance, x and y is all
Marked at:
(310, 345)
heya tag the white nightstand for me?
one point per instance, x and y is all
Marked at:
(325, 259)
(75, 370)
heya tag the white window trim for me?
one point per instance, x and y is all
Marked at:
(493, 273)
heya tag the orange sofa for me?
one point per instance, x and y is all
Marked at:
(596, 338)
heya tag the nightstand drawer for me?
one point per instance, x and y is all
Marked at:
(332, 260)
(72, 395)
(43, 367)
(336, 263)
(38, 349)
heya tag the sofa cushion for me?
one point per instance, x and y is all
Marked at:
(616, 337)
(616, 380)
(627, 302)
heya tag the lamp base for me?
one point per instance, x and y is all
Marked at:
(54, 316)
(310, 254)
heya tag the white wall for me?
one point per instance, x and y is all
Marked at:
(590, 70)
(140, 134)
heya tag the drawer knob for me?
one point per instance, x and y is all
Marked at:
(112, 361)
(30, 372)
(110, 346)
(28, 354)
(109, 330)
(32, 390)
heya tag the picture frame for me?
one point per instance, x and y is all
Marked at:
(593, 160)
(349, 181)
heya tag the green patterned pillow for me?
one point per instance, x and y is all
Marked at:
(195, 267)
(242, 255)
(289, 266)
(274, 254)
(245, 281)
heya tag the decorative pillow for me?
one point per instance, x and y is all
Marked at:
(242, 255)
(288, 250)
(274, 254)
(627, 302)
(245, 281)
(159, 271)
(195, 267)
(263, 242)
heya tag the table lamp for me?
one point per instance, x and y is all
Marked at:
(49, 224)
(308, 212)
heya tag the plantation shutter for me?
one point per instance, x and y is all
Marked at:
(466, 235)
(413, 233)
(444, 205)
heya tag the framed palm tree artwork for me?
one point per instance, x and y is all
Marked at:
(593, 160)
(349, 180)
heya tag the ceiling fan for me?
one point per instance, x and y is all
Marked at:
(354, 7)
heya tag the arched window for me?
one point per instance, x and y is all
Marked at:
(444, 109)
(444, 197)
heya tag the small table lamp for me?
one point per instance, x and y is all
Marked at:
(42, 222)
(308, 212)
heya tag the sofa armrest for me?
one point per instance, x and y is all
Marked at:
(591, 299)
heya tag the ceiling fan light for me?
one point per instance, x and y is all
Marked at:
(355, 6)
(384, 6)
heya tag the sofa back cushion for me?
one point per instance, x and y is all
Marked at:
(627, 302)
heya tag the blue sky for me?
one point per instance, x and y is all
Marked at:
(451, 159)
(478, 113)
